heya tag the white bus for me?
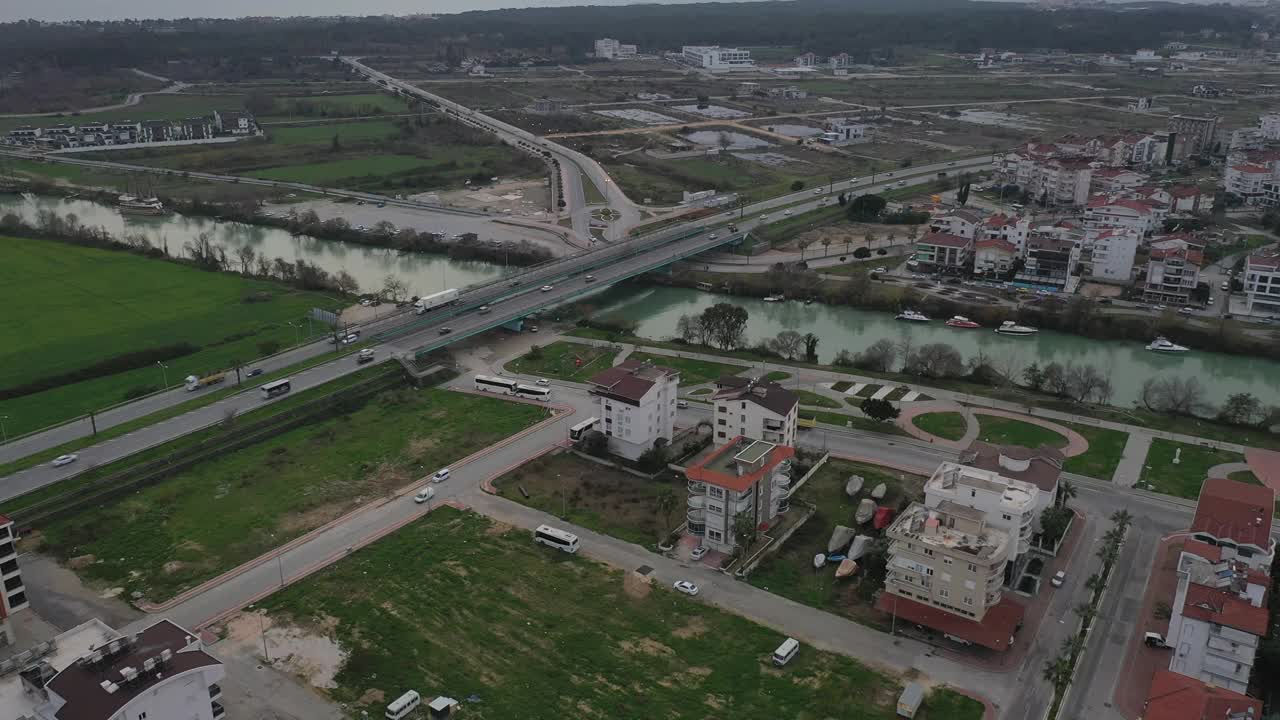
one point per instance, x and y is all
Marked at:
(275, 388)
(577, 431)
(558, 539)
(495, 384)
(403, 705)
(533, 393)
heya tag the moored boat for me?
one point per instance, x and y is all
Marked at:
(1163, 345)
(131, 205)
(960, 321)
(1009, 327)
(913, 316)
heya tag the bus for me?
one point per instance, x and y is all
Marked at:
(533, 393)
(487, 383)
(275, 388)
(558, 539)
(577, 431)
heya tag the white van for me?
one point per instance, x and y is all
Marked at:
(403, 705)
(786, 651)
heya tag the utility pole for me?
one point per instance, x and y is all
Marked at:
(164, 373)
(564, 503)
(93, 422)
(4, 434)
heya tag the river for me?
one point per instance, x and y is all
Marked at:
(1128, 364)
(423, 273)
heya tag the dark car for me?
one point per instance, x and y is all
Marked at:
(255, 372)
(446, 330)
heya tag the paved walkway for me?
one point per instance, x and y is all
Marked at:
(1129, 469)
(1225, 469)
(1266, 465)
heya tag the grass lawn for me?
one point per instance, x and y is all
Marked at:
(897, 393)
(601, 498)
(702, 391)
(168, 537)
(812, 398)
(456, 604)
(1245, 476)
(692, 372)
(857, 423)
(323, 134)
(776, 376)
(947, 703)
(1007, 431)
(789, 572)
(868, 390)
(338, 170)
(841, 386)
(559, 360)
(1106, 447)
(1185, 478)
(98, 304)
(946, 425)
(344, 104)
(591, 192)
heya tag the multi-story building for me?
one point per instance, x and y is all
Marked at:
(1010, 228)
(1063, 182)
(1006, 504)
(13, 593)
(714, 58)
(1107, 255)
(92, 672)
(1178, 697)
(741, 481)
(945, 570)
(839, 61)
(944, 252)
(1199, 135)
(755, 409)
(1049, 263)
(611, 49)
(1236, 518)
(1247, 182)
(1104, 213)
(1269, 126)
(806, 60)
(1039, 467)
(961, 223)
(637, 405)
(1111, 180)
(1173, 271)
(843, 131)
(1262, 280)
(1189, 199)
(994, 256)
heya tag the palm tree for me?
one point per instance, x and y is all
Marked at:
(869, 237)
(1094, 583)
(1066, 491)
(826, 246)
(1085, 611)
(665, 502)
(1123, 519)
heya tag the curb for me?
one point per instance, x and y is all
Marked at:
(487, 484)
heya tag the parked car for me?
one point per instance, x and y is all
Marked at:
(440, 476)
(881, 269)
(1184, 311)
(682, 404)
(533, 328)
(543, 381)
(65, 459)
(685, 587)
(1058, 578)
(1156, 640)
(424, 494)
(698, 553)
(365, 302)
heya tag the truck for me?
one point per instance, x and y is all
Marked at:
(435, 300)
(196, 383)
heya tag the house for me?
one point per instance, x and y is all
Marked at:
(806, 60)
(1189, 199)
(1199, 134)
(1107, 255)
(1178, 697)
(548, 105)
(611, 49)
(1110, 180)
(1246, 181)
(1040, 467)
(714, 58)
(1236, 518)
(1049, 263)
(944, 251)
(1142, 216)
(994, 256)
(946, 566)
(1005, 503)
(25, 133)
(92, 672)
(743, 480)
(13, 595)
(1262, 280)
(755, 409)
(1173, 271)
(637, 405)
(961, 223)
(839, 61)
(235, 122)
(1010, 228)
(843, 131)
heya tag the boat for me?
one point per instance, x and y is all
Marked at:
(819, 560)
(1163, 345)
(859, 546)
(808, 301)
(960, 321)
(131, 205)
(846, 568)
(854, 485)
(773, 298)
(912, 316)
(883, 517)
(866, 509)
(836, 557)
(1009, 327)
(840, 538)
(877, 492)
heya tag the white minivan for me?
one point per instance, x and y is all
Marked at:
(786, 651)
(424, 494)
(403, 705)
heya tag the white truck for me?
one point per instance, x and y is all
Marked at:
(435, 300)
(194, 383)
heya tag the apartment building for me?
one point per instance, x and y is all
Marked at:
(1173, 271)
(755, 409)
(944, 252)
(1178, 697)
(1144, 216)
(1107, 255)
(1236, 518)
(93, 672)
(961, 223)
(839, 61)
(1050, 263)
(1006, 504)
(714, 58)
(994, 256)
(1247, 180)
(1011, 228)
(637, 405)
(945, 570)
(1199, 135)
(1110, 180)
(742, 480)
(1189, 199)
(13, 594)
(1262, 281)
(807, 60)
(611, 49)
(1063, 182)
(1039, 467)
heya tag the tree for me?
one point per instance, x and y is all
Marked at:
(744, 532)
(1067, 491)
(962, 195)
(861, 253)
(665, 503)
(866, 208)
(725, 324)
(879, 410)
(535, 352)
(935, 360)
(655, 458)
(346, 283)
(1241, 409)
(1122, 519)
(689, 327)
(725, 141)
(394, 289)
(246, 255)
(811, 348)
(879, 356)
(1085, 611)
(787, 343)
(1053, 523)
(1176, 396)
(593, 443)
(335, 145)
(797, 186)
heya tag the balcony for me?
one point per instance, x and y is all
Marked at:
(772, 425)
(215, 691)
(697, 488)
(218, 711)
(697, 502)
(696, 515)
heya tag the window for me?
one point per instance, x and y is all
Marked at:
(722, 408)
(968, 600)
(722, 421)
(715, 535)
(973, 568)
(712, 507)
(717, 492)
(947, 561)
(722, 435)
(944, 593)
(928, 552)
(1007, 516)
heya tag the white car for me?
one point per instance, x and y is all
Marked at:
(786, 212)
(698, 553)
(1058, 578)
(547, 288)
(682, 404)
(366, 302)
(880, 269)
(712, 236)
(424, 494)
(350, 339)
(685, 587)
(818, 191)
(440, 476)
(1160, 308)
(543, 381)
(65, 459)
(764, 217)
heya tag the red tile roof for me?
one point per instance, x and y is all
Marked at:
(997, 244)
(1139, 206)
(944, 240)
(736, 483)
(628, 381)
(1194, 257)
(1258, 259)
(1178, 697)
(1250, 169)
(1229, 509)
(1224, 608)
(1182, 191)
(1212, 553)
(995, 632)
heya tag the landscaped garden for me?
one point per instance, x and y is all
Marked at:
(1185, 478)
(946, 425)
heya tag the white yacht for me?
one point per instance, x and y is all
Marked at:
(1009, 327)
(913, 316)
(1162, 345)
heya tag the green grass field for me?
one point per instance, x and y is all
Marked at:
(814, 399)
(1106, 448)
(860, 423)
(323, 173)
(946, 425)
(323, 134)
(560, 360)
(454, 604)
(89, 305)
(1007, 431)
(212, 517)
(692, 371)
(1185, 478)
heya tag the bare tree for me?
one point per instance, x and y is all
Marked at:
(394, 289)
(879, 356)
(689, 327)
(263, 266)
(246, 254)
(346, 283)
(787, 343)
(935, 360)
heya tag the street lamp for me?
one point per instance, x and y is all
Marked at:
(164, 372)
(297, 331)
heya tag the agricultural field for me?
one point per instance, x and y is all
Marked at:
(96, 305)
(324, 133)
(454, 604)
(174, 535)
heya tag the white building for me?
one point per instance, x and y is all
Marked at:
(92, 672)
(611, 49)
(637, 405)
(994, 256)
(1269, 125)
(843, 131)
(755, 409)
(13, 592)
(1104, 213)
(1040, 467)
(1262, 280)
(717, 59)
(1107, 180)
(742, 480)
(1007, 504)
(1173, 271)
(1107, 255)
(1013, 229)
(806, 60)
(1247, 181)
(961, 223)
(1218, 618)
